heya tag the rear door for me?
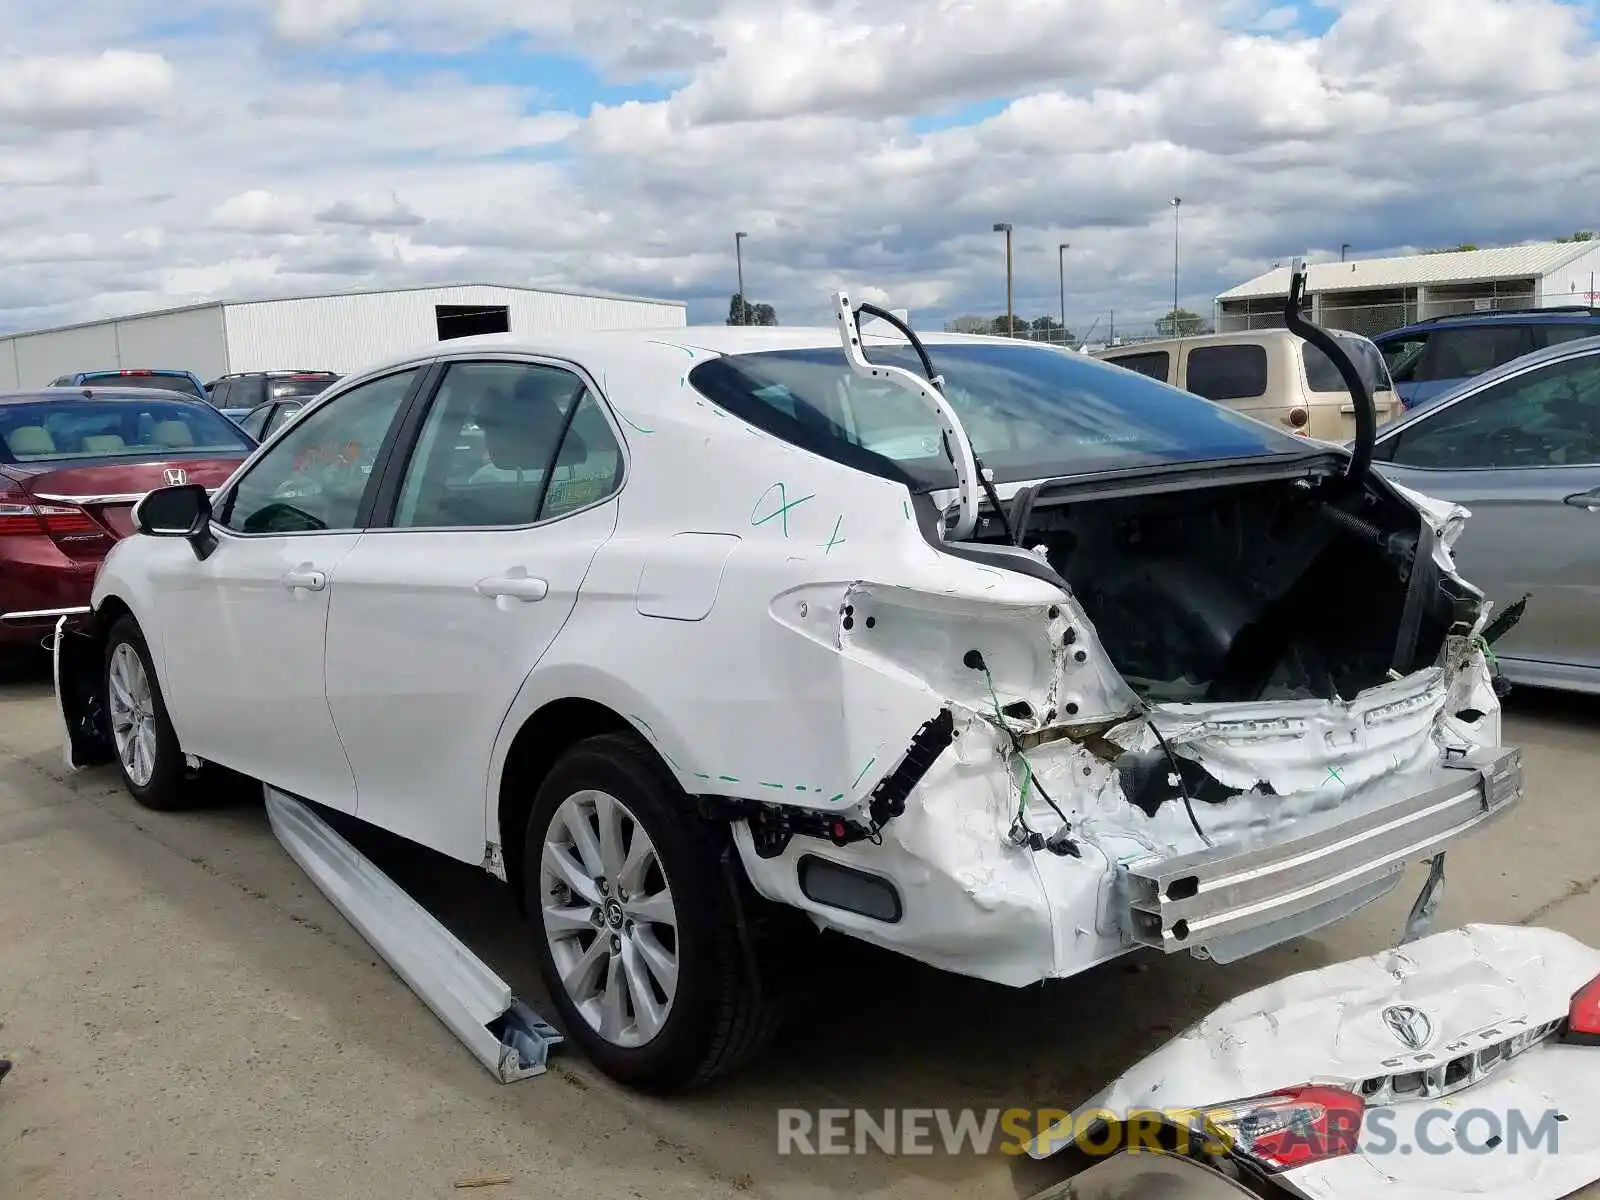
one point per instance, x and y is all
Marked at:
(481, 538)
(1524, 455)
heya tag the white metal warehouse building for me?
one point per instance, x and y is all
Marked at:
(337, 332)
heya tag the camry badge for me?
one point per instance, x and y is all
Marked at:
(1409, 1025)
(176, 476)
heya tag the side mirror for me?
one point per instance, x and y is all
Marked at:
(183, 511)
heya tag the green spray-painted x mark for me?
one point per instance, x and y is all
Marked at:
(782, 511)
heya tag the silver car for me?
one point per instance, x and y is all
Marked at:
(1520, 447)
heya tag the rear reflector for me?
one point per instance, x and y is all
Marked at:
(1290, 1128)
(1582, 1027)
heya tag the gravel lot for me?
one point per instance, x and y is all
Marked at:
(190, 1018)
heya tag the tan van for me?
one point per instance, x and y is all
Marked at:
(1270, 374)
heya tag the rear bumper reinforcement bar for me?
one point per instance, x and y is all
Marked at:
(1329, 863)
(43, 615)
(502, 1032)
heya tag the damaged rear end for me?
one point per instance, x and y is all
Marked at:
(1194, 705)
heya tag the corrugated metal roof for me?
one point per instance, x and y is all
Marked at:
(1457, 266)
(422, 287)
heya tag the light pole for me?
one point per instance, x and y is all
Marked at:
(1176, 201)
(1011, 313)
(1343, 250)
(1061, 262)
(738, 254)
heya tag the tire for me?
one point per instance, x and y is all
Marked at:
(718, 1014)
(156, 775)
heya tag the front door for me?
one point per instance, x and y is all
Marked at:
(1524, 455)
(244, 630)
(468, 573)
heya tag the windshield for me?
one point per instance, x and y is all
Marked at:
(1323, 376)
(148, 379)
(57, 430)
(1031, 412)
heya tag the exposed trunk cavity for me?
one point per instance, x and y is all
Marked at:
(1253, 591)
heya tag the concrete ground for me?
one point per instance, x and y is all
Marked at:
(190, 1018)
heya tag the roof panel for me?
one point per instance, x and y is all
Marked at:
(1412, 270)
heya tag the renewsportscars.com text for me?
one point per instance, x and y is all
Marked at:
(926, 1131)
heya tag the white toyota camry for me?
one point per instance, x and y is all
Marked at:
(990, 653)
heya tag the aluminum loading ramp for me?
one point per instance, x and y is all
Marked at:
(503, 1033)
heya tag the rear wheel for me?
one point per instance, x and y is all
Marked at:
(148, 755)
(638, 921)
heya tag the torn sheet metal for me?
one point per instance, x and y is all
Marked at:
(502, 1033)
(1482, 1003)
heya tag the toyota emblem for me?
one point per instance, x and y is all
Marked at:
(176, 476)
(1409, 1025)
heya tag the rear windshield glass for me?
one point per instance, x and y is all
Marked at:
(1031, 412)
(1323, 376)
(168, 383)
(284, 388)
(51, 430)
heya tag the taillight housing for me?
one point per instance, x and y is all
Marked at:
(1290, 1128)
(1582, 1026)
(1299, 418)
(47, 520)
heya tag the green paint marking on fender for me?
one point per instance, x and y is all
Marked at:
(864, 770)
(701, 775)
(905, 507)
(637, 428)
(643, 724)
(774, 786)
(784, 505)
(836, 799)
(800, 787)
(728, 778)
(833, 538)
(670, 346)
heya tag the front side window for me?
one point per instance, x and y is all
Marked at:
(74, 428)
(507, 444)
(1546, 418)
(1031, 412)
(314, 478)
(1227, 372)
(1402, 355)
(255, 423)
(280, 415)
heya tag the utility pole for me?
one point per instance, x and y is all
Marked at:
(738, 254)
(1061, 260)
(1176, 201)
(1011, 311)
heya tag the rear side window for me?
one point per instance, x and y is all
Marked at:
(1227, 372)
(61, 430)
(283, 389)
(1323, 376)
(1554, 335)
(1472, 350)
(1153, 365)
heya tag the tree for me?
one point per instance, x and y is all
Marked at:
(1180, 322)
(742, 312)
(1583, 235)
(1464, 246)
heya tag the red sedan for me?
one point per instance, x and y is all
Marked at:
(73, 461)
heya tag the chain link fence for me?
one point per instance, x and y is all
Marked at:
(1375, 318)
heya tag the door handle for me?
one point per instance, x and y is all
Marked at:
(1588, 500)
(513, 587)
(305, 577)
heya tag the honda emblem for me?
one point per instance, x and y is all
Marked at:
(176, 476)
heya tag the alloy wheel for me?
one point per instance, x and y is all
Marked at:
(133, 714)
(609, 918)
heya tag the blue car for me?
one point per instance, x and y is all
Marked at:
(1428, 359)
(186, 383)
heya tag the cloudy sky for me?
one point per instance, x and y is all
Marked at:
(156, 153)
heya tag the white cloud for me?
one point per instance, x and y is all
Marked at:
(148, 170)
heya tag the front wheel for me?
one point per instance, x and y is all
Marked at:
(148, 755)
(638, 921)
